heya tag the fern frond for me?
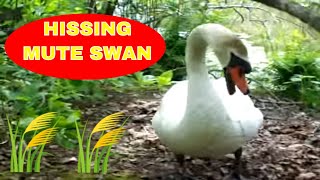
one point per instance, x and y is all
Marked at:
(110, 138)
(43, 137)
(40, 122)
(108, 122)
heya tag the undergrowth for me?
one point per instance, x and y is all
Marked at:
(294, 72)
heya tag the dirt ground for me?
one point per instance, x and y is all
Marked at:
(287, 148)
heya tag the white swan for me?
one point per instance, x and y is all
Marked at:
(201, 117)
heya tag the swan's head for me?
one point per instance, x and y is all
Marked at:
(232, 54)
(229, 49)
(236, 66)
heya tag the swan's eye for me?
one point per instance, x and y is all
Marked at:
(237, 61)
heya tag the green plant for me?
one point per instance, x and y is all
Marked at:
(38, 140)
(297, 70)
(24, 94)
(106, 140)
(140, 81)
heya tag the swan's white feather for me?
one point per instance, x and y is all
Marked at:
(214, 124)
(198, 117)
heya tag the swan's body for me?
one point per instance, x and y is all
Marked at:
(197, 116)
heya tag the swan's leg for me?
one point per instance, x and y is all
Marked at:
(236, 174)
(237, 163)
(180, 159)
(183, 170)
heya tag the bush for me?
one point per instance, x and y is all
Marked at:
(296, 71)
(176, 29)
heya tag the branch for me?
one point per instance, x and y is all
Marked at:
(306, 15)
(110, 7)
(241, 16)
(210, 6)
(249, 8)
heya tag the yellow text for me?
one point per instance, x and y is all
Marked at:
(50, 52)
(86, 28)
(120, 53)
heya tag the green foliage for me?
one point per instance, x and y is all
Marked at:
(141, 82)
(174, 55)
(297, 70)
(184, 16)
(25, 95)
(15, 13)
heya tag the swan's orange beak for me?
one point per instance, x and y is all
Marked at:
(238, 78)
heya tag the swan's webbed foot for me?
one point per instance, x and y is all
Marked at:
(236, 174)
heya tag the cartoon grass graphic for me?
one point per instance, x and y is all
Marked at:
(39, 140)
(107, 139)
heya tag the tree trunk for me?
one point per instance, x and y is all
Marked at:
(92, 7)
(110, 7)
(306, 15)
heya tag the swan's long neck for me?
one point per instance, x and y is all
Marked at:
(199, 84)
(203, 99)
(195, 57)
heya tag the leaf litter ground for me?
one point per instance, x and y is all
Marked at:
(287, 148)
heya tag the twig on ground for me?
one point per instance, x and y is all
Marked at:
(4, 142)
